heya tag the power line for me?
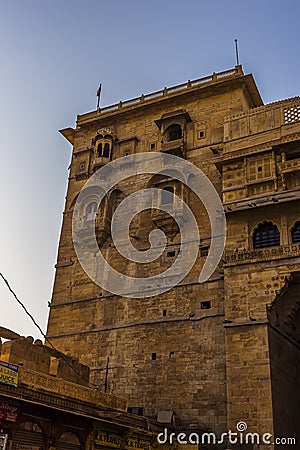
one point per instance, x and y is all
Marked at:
(42, 333)
(23, 306)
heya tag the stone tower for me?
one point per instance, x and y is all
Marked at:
(205, 355)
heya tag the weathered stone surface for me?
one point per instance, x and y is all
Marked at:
(216, 366)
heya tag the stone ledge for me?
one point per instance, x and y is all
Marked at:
(265, 254)
(65, 389)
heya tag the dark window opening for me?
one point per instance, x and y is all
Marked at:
(204, 251)
(164, 312)
(259, 169)
(152, 146)
(292, 155)
(106, 150)
(167, 195)
(266, 235)
(174, 132)
(205, 305)
(170, 254)
(153, 356)
(91, 211)
(137, 410)
(99, 150)
(201, 134)
(171, 354)
(296, 233)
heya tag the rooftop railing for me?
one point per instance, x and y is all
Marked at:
(190, 84)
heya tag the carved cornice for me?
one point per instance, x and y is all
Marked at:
(265, 254)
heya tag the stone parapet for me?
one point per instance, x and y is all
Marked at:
(283, 116)
(65, 389)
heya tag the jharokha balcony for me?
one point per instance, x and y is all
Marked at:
(289, 166)
(176, 147)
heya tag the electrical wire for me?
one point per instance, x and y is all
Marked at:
(64, 357)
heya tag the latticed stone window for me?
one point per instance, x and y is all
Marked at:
(259, 168)
(292, 114)
(266, 235)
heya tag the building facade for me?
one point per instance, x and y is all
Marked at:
(206, 355)
(47, 403)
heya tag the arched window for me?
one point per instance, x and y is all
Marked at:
(167, 195)
(68, 441)
(102, 145)
(173, 132)
(266, 235)
(106, 150)
(91, 211)
(296, 233)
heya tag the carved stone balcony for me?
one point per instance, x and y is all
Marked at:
(168, 223)
(101, 229)
(99, 161)
(233, 258)
(176, 147)
(289, 166)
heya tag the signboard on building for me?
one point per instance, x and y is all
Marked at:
(9, 411)
(107, 439)
(28, 447)
(3, 441)
(8, 373)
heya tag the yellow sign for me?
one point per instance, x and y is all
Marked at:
(113, 440)
(8, 373)
(107, 439)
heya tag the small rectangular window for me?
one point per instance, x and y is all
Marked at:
(152, 145)
(137, 410)
(206, 305)
(201, 134)
(171, 354)
(171, 254)
(153, 356)
(204, 250)
(164, 312)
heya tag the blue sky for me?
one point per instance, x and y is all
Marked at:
(55, 53)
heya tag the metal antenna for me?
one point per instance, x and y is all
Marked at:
(236, 52)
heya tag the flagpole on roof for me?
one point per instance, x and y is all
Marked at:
(98, 95)
(236, 52)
